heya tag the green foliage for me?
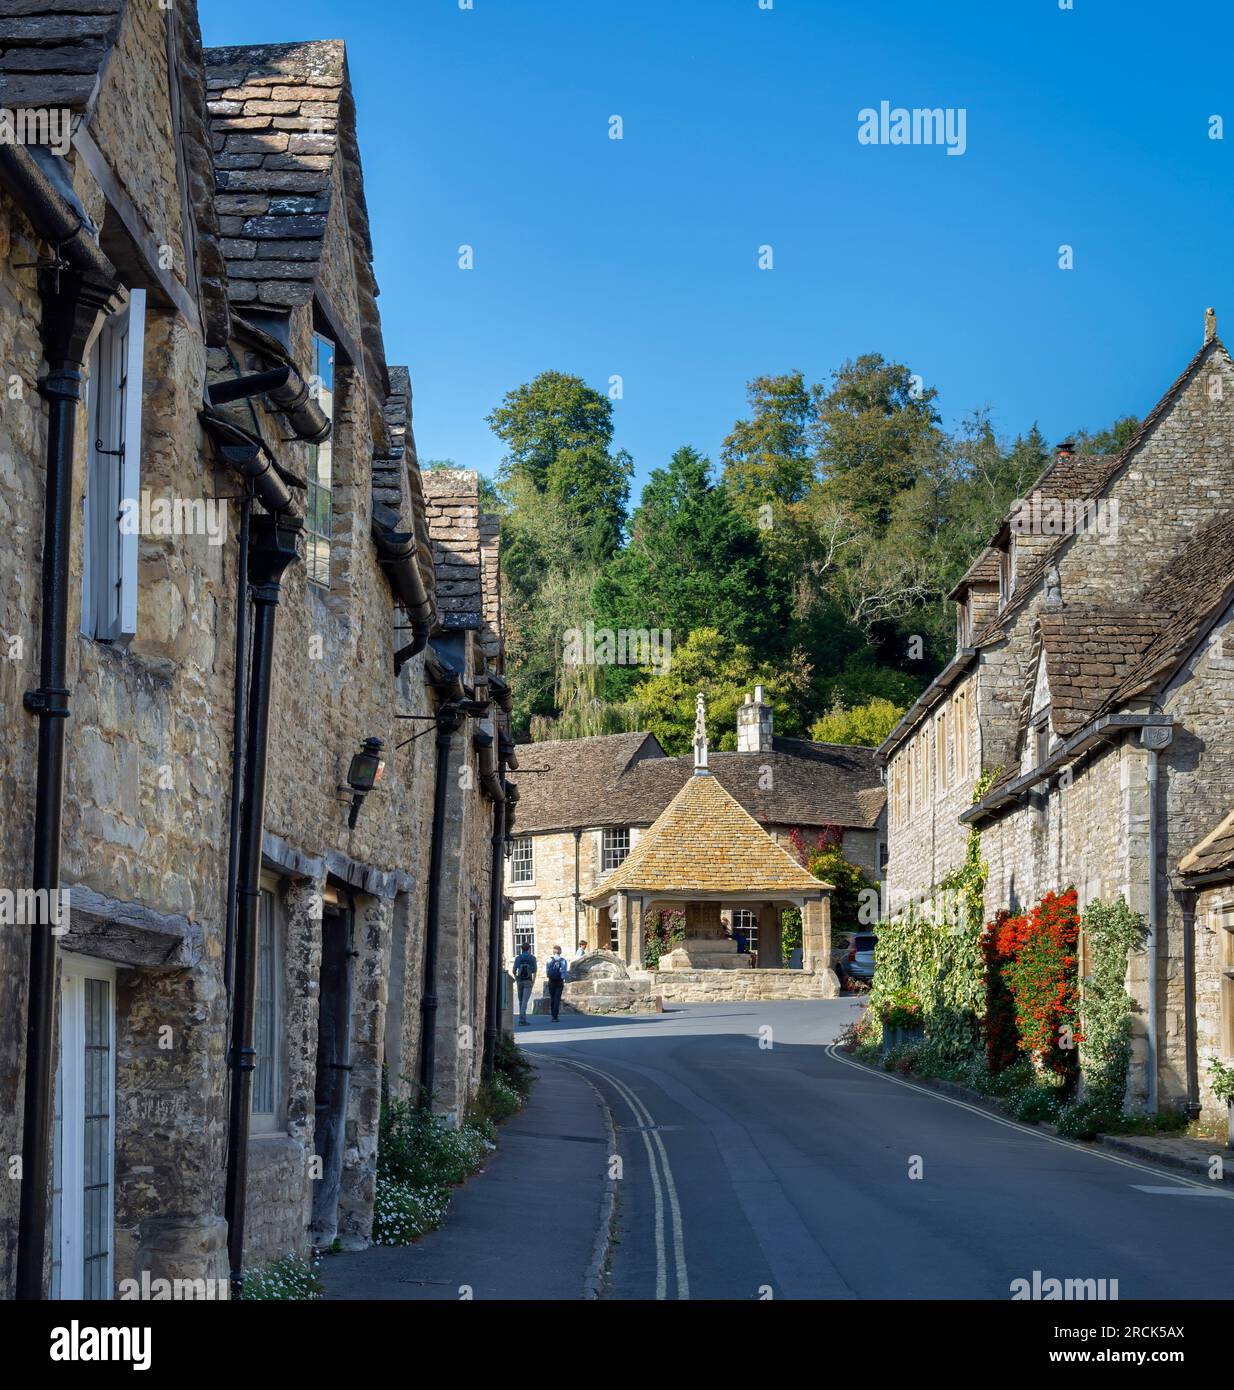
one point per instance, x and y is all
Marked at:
(1221, 1079)
(900, 1009)
(290, 1279)
(826, 862)
(419, 1159)
(867, 724)
(512, 1064)
(1109, 441)
(725, 672)
(790, 931)
(558, 433)
(692, 562)
(665, 930)
(1111, 932)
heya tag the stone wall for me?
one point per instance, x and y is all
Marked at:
(721, 986)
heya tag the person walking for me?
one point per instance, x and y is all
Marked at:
(555, 971)
(525, 968)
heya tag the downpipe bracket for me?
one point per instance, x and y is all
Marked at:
(49, 702)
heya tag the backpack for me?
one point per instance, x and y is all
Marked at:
(556, 967)
(523, 971)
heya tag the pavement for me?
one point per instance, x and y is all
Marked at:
(758, 1162)
(531, 1226)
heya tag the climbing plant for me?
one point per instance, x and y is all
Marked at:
(1111, 932)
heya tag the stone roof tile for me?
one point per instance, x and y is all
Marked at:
(1213, 853)
(705, 842)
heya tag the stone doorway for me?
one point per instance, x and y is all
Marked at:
(333, 1074)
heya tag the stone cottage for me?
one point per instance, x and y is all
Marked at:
(585, 803)
(221, 628)
(1093, 687)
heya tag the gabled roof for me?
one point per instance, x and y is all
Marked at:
(1088, 653)
(704, 842)
(1083, 477)
(983, 570)
(1213, 853)
(599, 781)
(52, 54)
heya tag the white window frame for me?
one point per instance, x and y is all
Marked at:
(110, 553)
(68, 1219)
(262, 1122)
(528, 914)
(609, 850)
(529, 860)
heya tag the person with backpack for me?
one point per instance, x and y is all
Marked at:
(556, 971)
(525, 968)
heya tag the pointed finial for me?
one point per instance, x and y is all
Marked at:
(1210, 325)
(700, 734)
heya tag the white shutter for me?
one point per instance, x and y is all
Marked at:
(130, 473)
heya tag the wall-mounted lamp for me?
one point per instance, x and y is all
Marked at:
(365, 772)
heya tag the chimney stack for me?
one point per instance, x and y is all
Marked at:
(754, 731)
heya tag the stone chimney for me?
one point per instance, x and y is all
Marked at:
(490, 586)
(452, 503)
(754, 724)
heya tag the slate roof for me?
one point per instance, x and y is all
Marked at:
(275, 113)
(983, 570)
(1213, 853)
(704, 842)
(1088, 653)
(53, 51)
(563, 783)
(598, 781)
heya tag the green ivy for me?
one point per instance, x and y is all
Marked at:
(1111, 932)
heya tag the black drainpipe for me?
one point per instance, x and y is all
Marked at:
(449, 717)
(237, 735)
(272, 550)
(71, 303)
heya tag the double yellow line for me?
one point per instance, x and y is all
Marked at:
(663, 1186)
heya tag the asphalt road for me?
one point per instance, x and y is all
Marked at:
(756, 1163)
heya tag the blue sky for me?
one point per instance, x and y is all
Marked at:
(638, 257)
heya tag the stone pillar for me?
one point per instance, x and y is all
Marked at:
(816, 934)
(770, 940)
(371, 941)
(637, 931)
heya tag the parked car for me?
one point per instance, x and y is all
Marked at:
(859, 962)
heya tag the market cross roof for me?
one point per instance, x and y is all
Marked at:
(704, 842)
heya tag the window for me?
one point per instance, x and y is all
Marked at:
(319, 502)
(524, 932)
(1006, 574)
(267, 1019)
(1041, 741)
(959, 737)
(746, 920)
(82, 1142)
(522, 869)
(1226, 921)
(884, 858)
(614, 848)
(946, 751)
(963, 624)
(113, 475)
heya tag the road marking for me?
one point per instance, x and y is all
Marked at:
(1179, 1191)
(649, 1131)
(835, 1056)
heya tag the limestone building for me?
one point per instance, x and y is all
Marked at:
(228, 600)
(1093, 686)
(584, 805)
